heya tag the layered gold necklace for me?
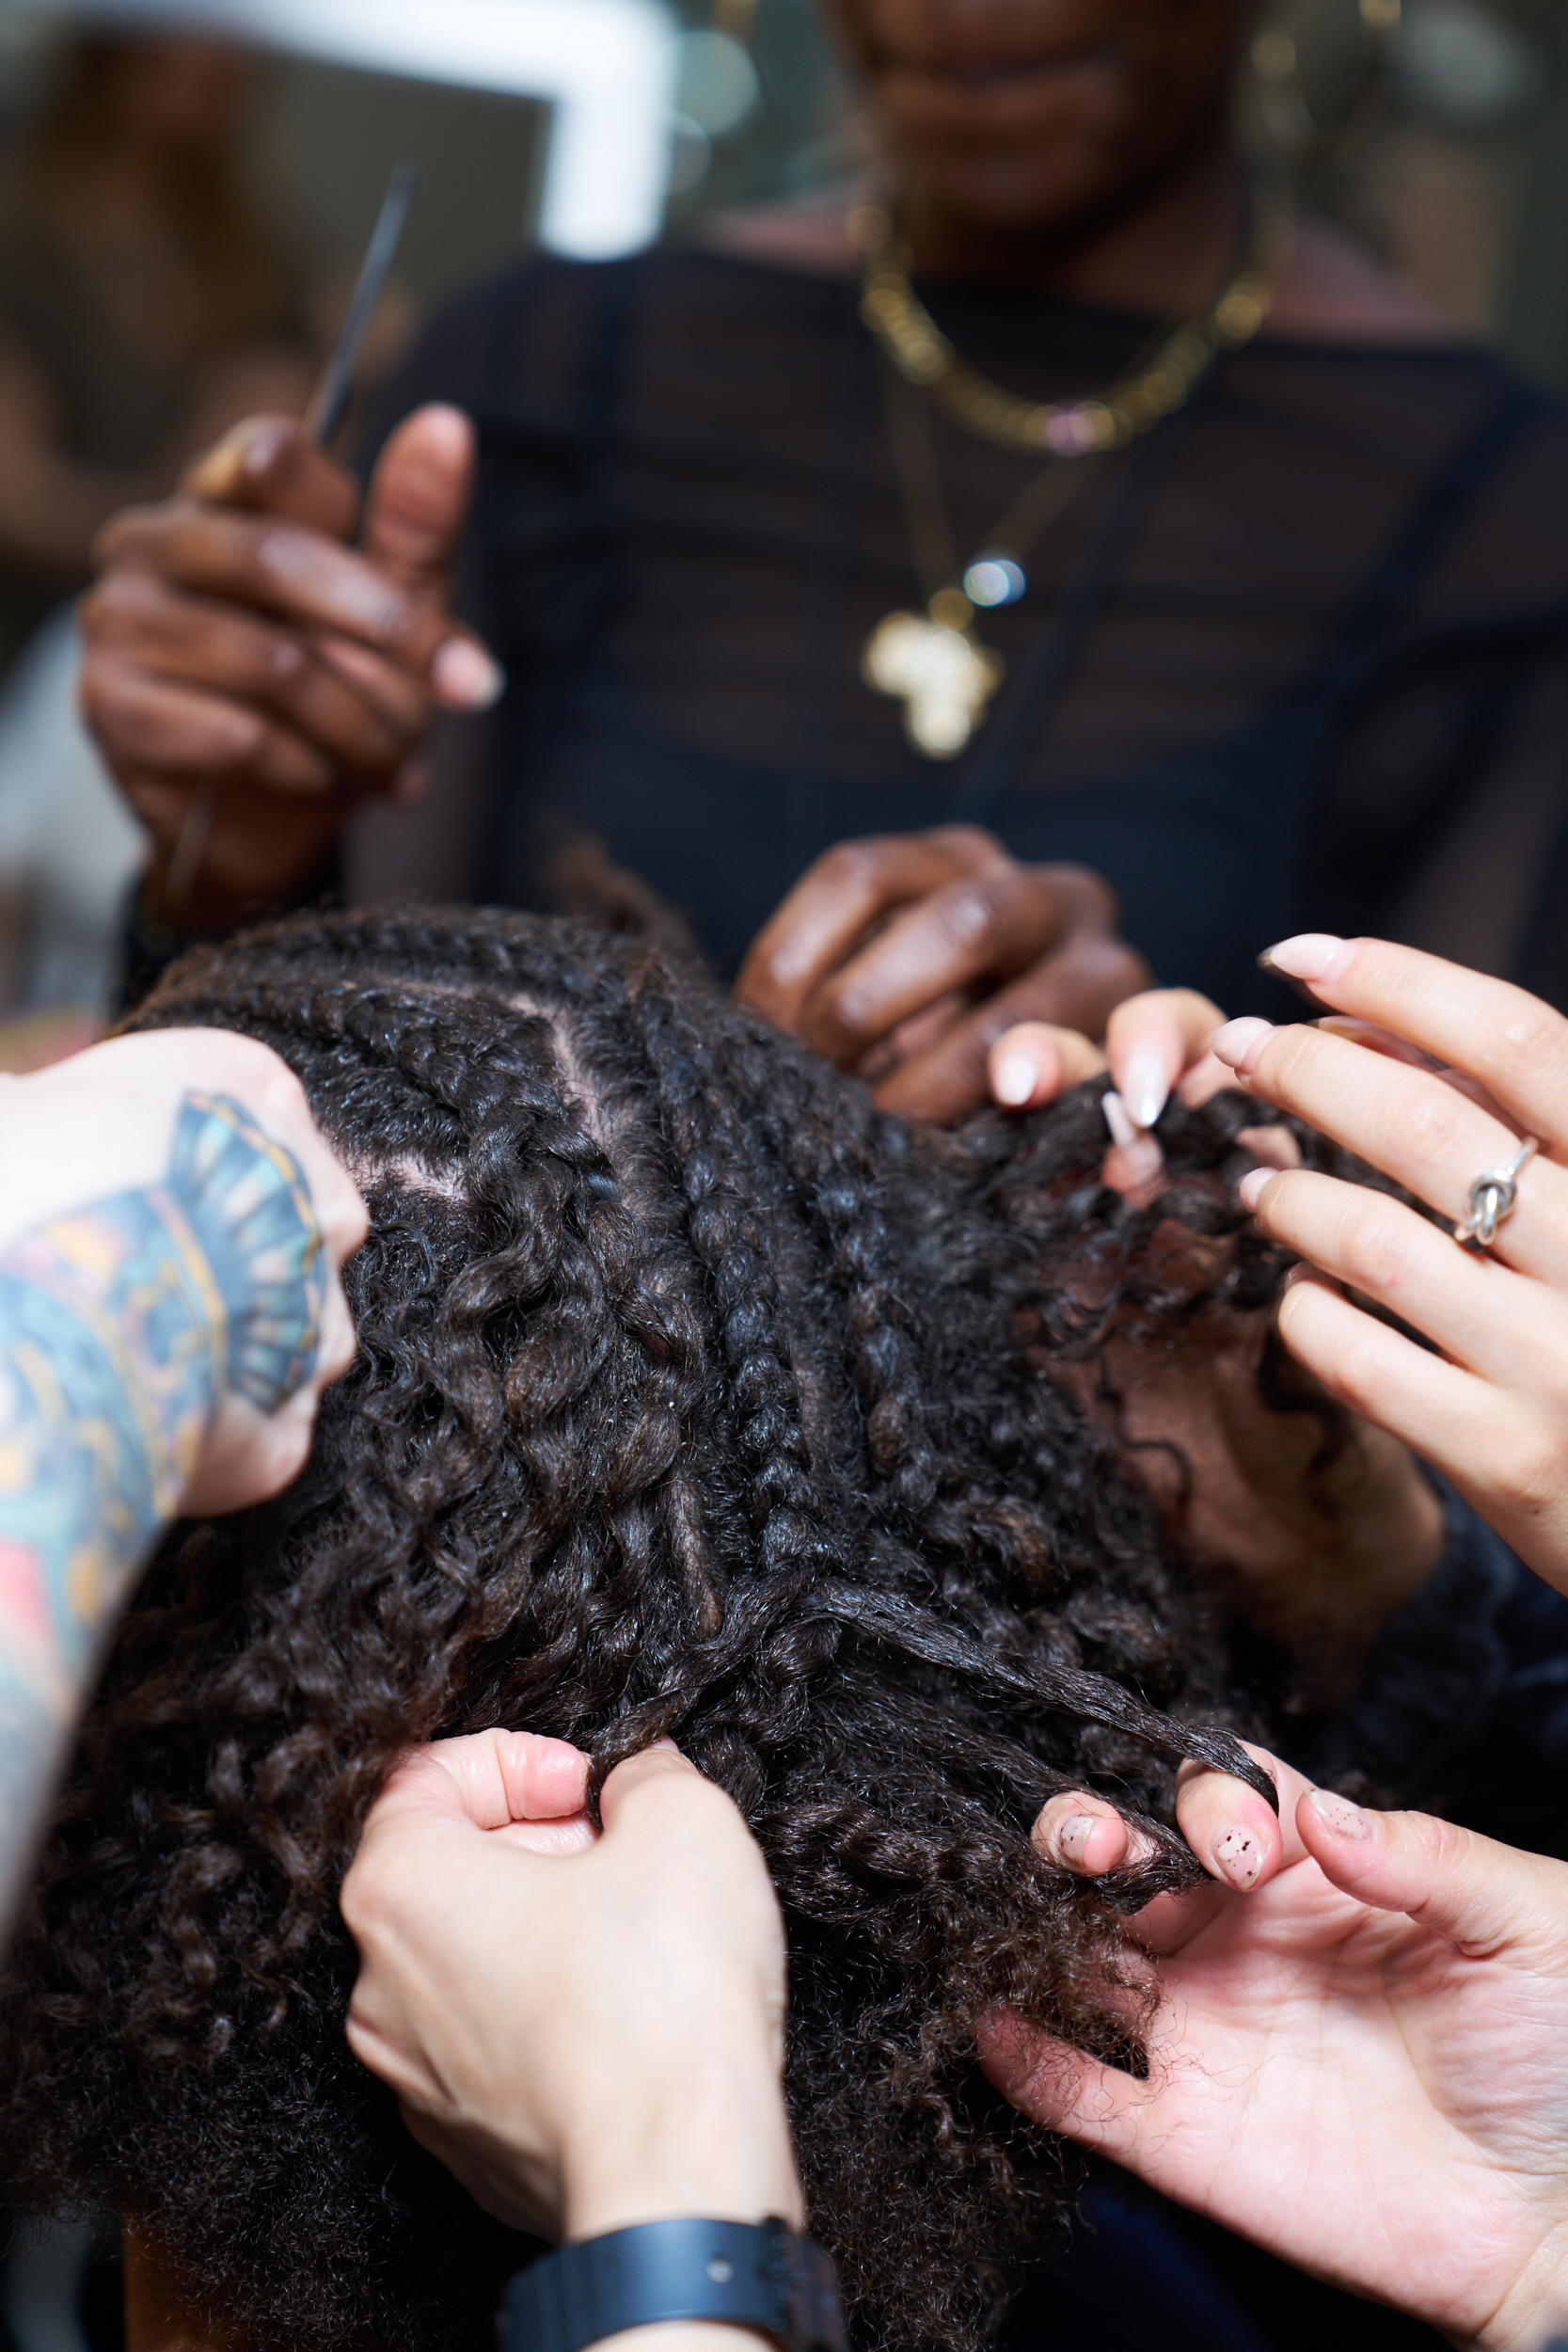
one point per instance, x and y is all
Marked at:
(933, 661)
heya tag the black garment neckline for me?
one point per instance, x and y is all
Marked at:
(1456, 345)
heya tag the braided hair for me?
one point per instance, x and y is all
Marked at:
(694, 1397)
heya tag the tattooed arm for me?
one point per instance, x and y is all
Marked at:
(161, 1345)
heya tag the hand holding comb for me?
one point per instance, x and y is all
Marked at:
(323, 416)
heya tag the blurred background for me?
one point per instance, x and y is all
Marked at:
(184, 192)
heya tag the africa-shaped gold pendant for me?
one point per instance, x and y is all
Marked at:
(943, 674)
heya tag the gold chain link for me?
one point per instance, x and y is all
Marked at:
(1070, 428)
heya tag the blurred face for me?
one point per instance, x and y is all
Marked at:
(1038, 116)
(186, 91)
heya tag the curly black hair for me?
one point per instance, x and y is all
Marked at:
(693, 1396)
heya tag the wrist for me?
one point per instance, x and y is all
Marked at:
(674, 2273)
(164, 928)
(716, 2148)
(216, 901)
(684, 2335)
(1534, 2312)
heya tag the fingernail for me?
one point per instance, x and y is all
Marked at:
(1013, 1079)
(464, 675)
(1309, 956)
(1239, 1855)
(1073, 1837)
(1143, 1084)
(1250, 1190)
(1142, 1165)
(263, 445)
(1239, 1043)
(1117, 1119)
(1339, 1814)
(448, 432)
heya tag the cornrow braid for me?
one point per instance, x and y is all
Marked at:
(693, 1395)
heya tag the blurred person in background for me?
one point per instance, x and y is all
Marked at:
(149, 296)
(150, 293)
(1292, 657)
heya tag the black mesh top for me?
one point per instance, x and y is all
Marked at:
(1295, 659)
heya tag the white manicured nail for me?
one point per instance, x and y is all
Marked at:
(1012, 1080)
(1239, 1043)
(1309, 956)
(1117, 1119)
(1145, 1084)
(464, 676)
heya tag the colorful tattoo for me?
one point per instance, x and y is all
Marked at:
(121, 1325)
(251, 1213)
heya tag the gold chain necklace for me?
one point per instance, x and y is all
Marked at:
(933, 661)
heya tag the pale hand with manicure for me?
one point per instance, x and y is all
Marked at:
(1325, 1566)
(1155, 1046)
(1362, 2063)
(1435, 1076)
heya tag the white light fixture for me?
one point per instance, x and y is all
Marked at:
(610, 69)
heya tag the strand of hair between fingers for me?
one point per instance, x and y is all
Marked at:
(1068, 1690)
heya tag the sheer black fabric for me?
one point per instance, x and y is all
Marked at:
(1295, 659)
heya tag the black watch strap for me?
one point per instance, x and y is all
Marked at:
(747, 2274)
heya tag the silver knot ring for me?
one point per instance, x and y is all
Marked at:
(1492, 1198)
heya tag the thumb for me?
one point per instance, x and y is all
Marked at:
(1033, 1061)
(662, 1816)
(1480, 1896)
(419, 499)
(414, 512)
(663, 1761)
(488, 1779)
(271, 463)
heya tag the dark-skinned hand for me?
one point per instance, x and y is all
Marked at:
(269, 632)
(906, 956)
